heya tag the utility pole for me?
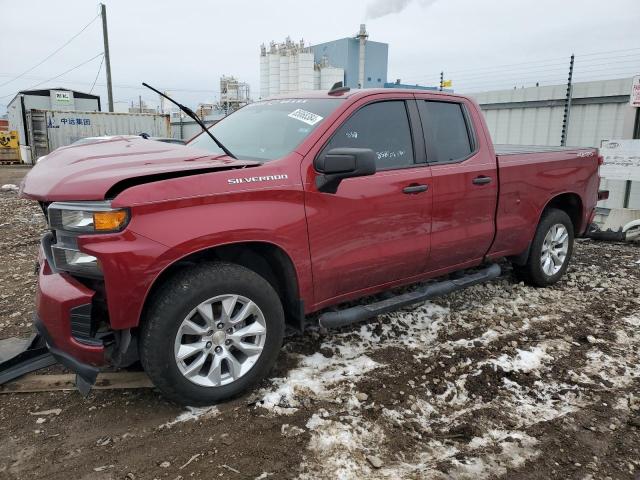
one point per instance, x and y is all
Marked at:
(567, 105)
(441, 80)
(107, 59)
(140, 103)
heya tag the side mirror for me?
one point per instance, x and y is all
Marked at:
(340, 163)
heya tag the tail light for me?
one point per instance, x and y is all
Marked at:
(603, 195)
(600, 159)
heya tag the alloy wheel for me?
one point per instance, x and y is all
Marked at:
(554, 249)
(220, 340)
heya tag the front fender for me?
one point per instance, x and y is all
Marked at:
(159, 235)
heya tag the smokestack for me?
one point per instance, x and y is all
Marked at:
(362, 36)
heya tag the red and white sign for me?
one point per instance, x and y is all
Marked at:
(634, 100)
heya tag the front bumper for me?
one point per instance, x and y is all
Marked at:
(85, 374)
(59, 298)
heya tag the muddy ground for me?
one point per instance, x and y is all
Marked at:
(498, 381)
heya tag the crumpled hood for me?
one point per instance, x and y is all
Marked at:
(89, 171)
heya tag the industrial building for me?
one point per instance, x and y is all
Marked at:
(289, 67)
(600, 110)
(234, 94)
(63, 99)
(293, 67)
(50, 118)
(364, 62)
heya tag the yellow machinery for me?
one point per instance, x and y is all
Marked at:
(9, 151)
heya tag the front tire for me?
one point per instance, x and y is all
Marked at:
(211, 332)
(550, 251)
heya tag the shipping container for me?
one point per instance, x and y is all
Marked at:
(50, 129)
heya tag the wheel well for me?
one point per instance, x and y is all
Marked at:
(572, 205)
(266, 259)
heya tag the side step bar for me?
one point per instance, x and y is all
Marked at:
(360, 313)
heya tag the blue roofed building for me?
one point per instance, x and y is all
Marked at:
(346, 52)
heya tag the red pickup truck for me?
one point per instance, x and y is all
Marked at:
(193, 259)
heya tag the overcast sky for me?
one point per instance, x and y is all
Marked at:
(185, 46)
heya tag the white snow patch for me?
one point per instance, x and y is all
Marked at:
(524, 361)
(315, 376)
(456, 393)
(616, 371)
(340, 447)
(633, 320)
(546, 402)
(511, 450)
(192, 413)
(319, 377)
(9, 187)
(515, 449)
(486, 338)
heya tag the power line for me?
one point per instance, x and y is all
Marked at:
(610, 51)
(58, 76)
(51, 54)
(120, 85)
(509, 84)
(535, 63)
(491, 71)
(97, 74)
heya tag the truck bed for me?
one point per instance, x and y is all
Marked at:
(505, 149)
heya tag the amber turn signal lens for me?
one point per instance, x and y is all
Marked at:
(109, 221)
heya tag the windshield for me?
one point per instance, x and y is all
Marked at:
(267, 130)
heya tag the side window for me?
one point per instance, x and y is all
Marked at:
(384, 128)
(445, 128)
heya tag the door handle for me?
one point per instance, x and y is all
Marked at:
(481, 180)
(413, 189)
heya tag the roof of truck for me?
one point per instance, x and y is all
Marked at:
(356, 92)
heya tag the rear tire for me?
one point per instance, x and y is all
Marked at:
(550, 251)
(211, 332)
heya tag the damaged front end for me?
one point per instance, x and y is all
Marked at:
(71, 319)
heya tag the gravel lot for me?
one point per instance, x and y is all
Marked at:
(498, 381)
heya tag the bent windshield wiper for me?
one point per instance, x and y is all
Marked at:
(193, 115)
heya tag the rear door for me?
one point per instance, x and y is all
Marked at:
(374, 229)
(465, 183)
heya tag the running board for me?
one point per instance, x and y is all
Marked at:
(359, 313)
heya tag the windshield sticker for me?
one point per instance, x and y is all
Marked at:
(307, 117)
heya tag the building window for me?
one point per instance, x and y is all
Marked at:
(379, 80)
(368, 79)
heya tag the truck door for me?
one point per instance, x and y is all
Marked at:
(374, 229)
(465, 184)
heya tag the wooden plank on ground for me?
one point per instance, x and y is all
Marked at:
(59, 382)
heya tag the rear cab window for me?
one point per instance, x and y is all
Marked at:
(447, 131)
(384, 128)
